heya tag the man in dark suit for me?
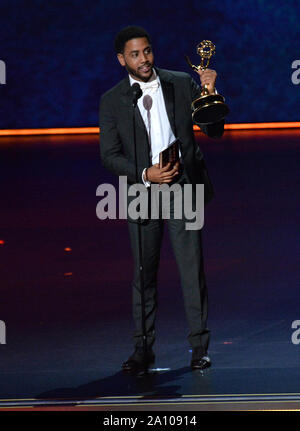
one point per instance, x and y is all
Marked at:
(168, 118)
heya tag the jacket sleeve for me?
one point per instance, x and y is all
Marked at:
(214, 130)
(111, 150)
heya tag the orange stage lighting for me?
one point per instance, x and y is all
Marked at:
(53, 131)
(249, 126)
(259, 126)
(95, 130)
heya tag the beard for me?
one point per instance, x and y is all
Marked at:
(135, 73)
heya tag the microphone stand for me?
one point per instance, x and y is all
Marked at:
(140, 250)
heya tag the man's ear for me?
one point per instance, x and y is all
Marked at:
(121, 59)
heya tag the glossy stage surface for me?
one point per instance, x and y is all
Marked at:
(66, 275)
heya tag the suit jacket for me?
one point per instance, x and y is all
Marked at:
(117, 136)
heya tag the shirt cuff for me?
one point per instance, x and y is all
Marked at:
(147, 183)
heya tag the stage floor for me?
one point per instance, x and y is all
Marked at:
(65, 281)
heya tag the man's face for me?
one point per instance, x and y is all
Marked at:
(138, 58)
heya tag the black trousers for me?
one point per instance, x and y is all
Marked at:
(187, 248)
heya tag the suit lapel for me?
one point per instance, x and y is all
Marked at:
(126, 100)
(168, 93)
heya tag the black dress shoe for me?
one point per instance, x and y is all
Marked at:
(200, 360)
(136, 363)
(201, 364)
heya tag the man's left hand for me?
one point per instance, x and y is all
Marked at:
(208, 77)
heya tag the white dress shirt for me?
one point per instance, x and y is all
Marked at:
(160, 133)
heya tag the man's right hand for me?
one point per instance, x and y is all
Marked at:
(155, 174)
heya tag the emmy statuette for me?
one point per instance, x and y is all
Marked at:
(208, 108)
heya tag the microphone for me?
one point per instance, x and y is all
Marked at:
(147, 102)
(136, 93)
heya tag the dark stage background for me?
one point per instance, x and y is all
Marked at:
(59, 55)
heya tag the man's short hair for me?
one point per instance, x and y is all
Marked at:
(128, 33)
